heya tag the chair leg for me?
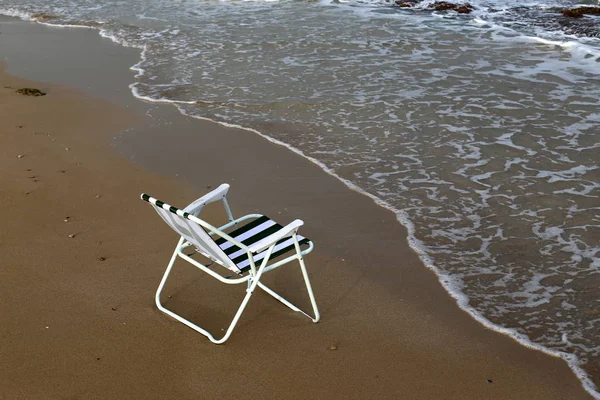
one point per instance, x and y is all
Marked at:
(205, 332)
(166, 275)
(292, 306)
(190, 324)
(311, 295)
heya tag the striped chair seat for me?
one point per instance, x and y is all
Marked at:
(251, 233)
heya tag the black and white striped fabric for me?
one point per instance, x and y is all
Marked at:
(251, 233)
(230, 255)
(194, 233)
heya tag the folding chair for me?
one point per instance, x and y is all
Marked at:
(238, 245)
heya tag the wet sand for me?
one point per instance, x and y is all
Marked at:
(77, 313)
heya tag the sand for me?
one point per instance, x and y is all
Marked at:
(77, 317)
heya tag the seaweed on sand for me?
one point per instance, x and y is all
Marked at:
(30, 92)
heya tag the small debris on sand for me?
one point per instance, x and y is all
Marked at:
(98, 196)
(333, 347)
(72, 235)
(102, 258)
(20, 156)
(31, 92)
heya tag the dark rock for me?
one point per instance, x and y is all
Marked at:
(406, 3)
(43, 17)
(572, 13)
(579, 12)
(444, 6)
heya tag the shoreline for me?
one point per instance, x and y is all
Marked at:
(369, 197)
(462, 300)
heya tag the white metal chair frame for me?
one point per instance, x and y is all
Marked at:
(254, 274)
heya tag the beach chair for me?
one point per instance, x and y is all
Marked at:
(248, 246)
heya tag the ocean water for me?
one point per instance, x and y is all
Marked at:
(481, 131)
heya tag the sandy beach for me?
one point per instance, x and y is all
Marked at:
(82, 256)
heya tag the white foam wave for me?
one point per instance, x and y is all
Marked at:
(13, 12)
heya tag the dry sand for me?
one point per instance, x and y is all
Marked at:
(74, 326)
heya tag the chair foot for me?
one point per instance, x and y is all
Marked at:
(191, 324)
(270, 291)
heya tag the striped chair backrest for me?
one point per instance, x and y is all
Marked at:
(179, 221)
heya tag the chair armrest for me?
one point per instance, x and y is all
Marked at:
(217, 194)
(273, 238)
